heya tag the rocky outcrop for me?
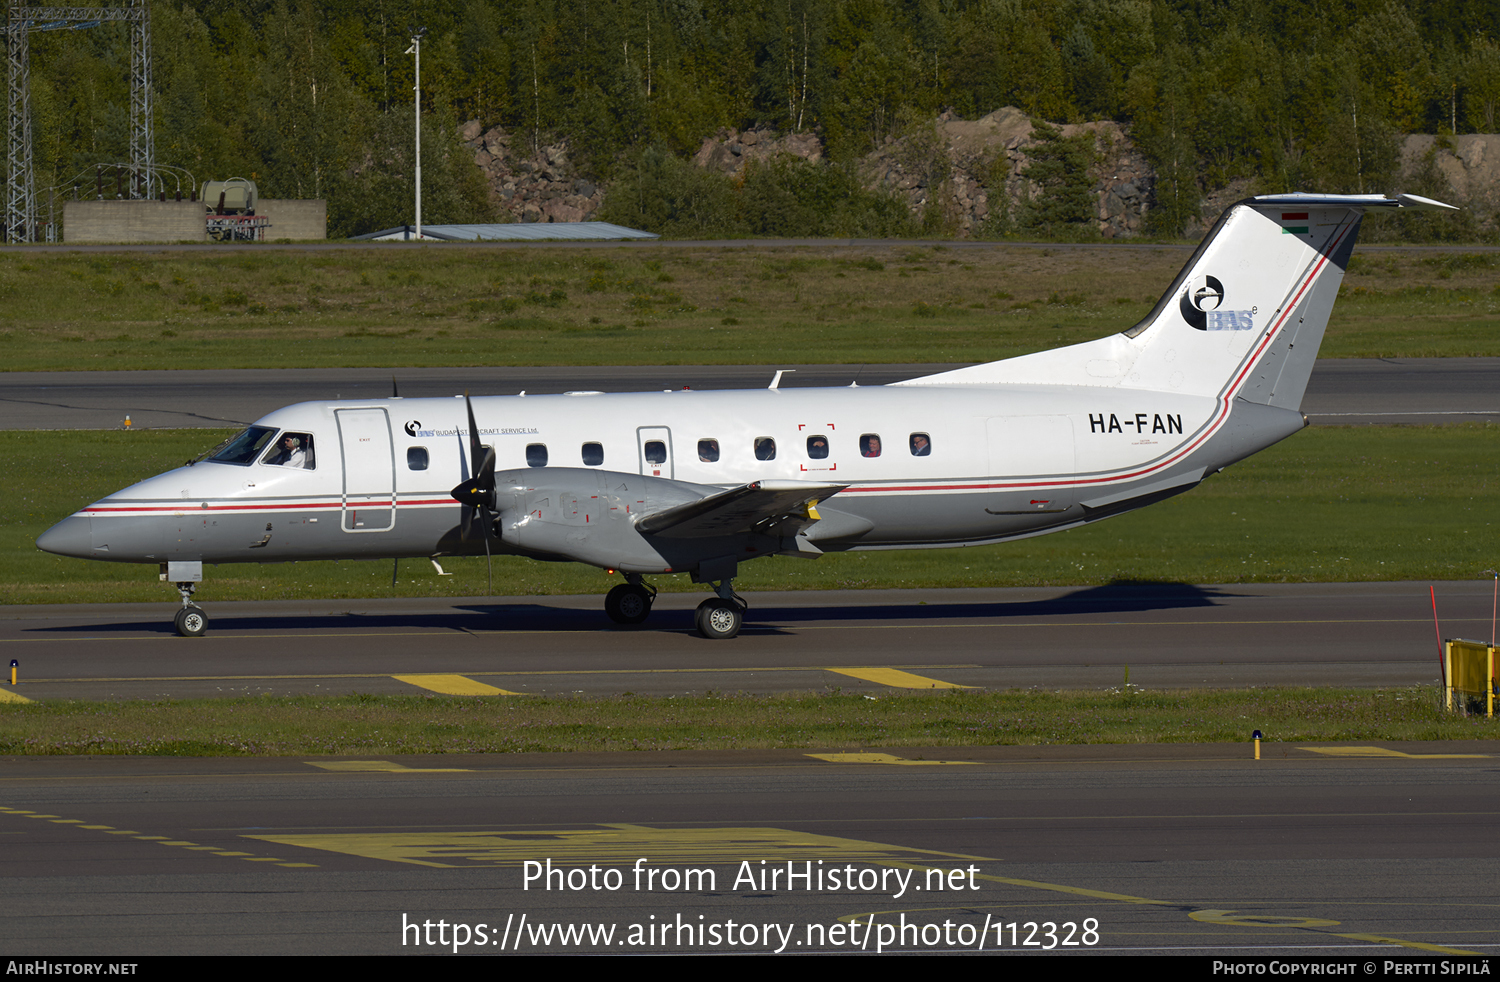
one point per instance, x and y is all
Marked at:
(1470, 164)
(728, 152)
(531, 187)
(971, 169)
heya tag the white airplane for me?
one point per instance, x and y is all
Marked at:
(699, 482)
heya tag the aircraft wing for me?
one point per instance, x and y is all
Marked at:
(765, 506)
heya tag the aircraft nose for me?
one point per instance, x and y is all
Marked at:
(73, 536)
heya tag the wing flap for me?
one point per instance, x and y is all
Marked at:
(760, 504)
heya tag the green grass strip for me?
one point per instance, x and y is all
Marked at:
(457, 305)
(424, 724)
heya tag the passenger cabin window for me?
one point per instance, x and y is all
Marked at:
(708, 451)
(536, 455)
(245, 447)
(292, 450)
(817, 447)
(656, 452)
(765, 448)
(869, 445)
(416, 458)
(921, 446)
(593, 454)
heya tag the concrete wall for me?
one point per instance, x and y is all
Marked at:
(179, 221)
(294, 219)
(133, 221)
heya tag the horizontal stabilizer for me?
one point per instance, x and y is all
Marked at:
(739, 509)
(1303, 200)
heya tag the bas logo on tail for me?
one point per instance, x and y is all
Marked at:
(1200, 305)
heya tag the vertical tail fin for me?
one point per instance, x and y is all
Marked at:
(1244, 317)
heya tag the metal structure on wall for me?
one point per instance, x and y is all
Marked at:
(21, 220)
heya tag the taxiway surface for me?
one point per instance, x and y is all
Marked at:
(1371, 852)
(1163, 636)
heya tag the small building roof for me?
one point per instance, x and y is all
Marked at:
(517, 231)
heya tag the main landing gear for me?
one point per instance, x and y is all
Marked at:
(191, 621)
(721, 616)
(630, 602)
(717, 617)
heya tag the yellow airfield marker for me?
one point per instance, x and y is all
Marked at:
(896, 679)
(453, 685)
(881, 759)
(1384, 752)
(380, 767)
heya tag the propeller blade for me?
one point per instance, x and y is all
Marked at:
(477, 493)
(476, 450)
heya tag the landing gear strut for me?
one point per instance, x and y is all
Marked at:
(721, 616)
(630, 602)
(191, 621)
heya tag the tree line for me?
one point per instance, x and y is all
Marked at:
(315, 100)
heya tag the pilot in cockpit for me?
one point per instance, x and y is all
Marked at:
(293, 452)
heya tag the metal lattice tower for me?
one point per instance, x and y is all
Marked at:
(20, 193)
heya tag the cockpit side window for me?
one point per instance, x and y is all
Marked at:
(292, 450)
(246, 447)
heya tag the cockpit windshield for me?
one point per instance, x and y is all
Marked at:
(246, 447)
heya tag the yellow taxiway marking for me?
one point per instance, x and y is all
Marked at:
(381, 767)
(753, 669)
(1383, 939)
(625, 844)
(1312, 924)
(1257, 920)
(453, 685)
(896, 679)
(880, 759)
(161, 840)
(7, 695)
(611, 844)
(1384, 752)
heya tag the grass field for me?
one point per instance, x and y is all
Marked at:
(421, 724)
(1328, 504)
(451, 305)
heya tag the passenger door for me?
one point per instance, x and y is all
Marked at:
(368, 456)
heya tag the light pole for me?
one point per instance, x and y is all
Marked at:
(416, 49)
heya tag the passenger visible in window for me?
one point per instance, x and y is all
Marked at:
(656, 452)
(765, 448)
(920, 445)
(817, 447)
(708, 451)
(869, 445)
(536, 455)
(593, 454)
(294, 450)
